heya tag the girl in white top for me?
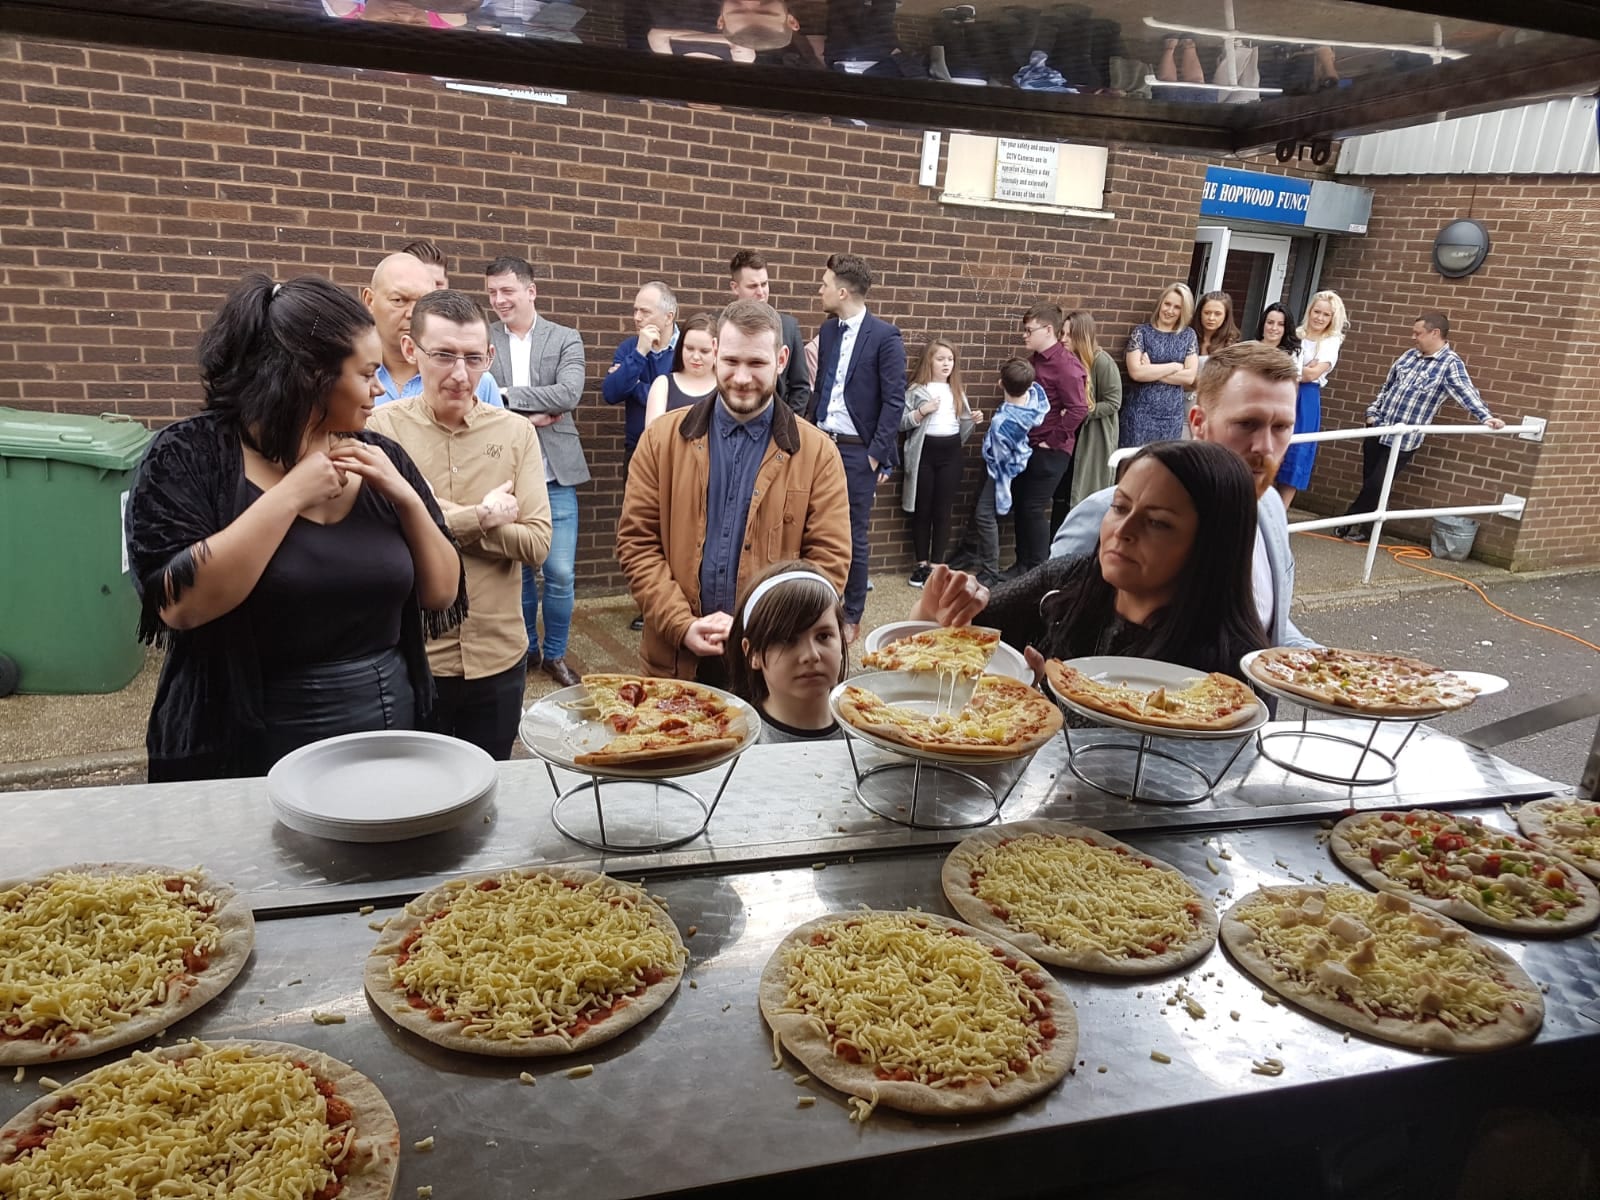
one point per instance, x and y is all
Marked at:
(785, 652)
(1321, 336)
(937, 422)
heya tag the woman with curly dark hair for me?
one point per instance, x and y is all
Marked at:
(291, 563)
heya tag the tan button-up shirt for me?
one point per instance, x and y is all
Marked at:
(463, 465)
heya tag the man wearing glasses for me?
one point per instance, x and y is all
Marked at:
(486, 472)
(539, 365)
(398, 282)
(1065, 383)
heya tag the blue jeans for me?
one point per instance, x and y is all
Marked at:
(559, 573)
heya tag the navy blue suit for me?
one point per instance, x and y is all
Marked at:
(875, 397)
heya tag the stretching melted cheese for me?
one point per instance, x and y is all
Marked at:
(1086, 897)
(81, 953)
(1381, 955)
(915, 1000)
(533, 956)
(221, 1123)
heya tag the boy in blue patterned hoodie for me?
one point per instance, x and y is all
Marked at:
(1005, 454)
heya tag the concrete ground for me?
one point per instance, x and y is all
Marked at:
(56, 741)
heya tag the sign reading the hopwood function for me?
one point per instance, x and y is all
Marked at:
(1025, 172)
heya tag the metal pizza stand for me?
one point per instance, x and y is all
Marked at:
(1135, 781)
(688, 1100)
(650, 808)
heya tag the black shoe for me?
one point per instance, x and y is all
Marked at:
(637, 624)
(535, 660)
(920, 575)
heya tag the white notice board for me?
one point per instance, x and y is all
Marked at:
(1025, 172)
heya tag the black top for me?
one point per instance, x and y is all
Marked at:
(677, 397)
(332, 592)
(206, 722)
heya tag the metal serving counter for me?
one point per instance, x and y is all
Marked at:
(689, 1099)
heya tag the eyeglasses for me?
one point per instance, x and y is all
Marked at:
(446, 361)
(1029, 330)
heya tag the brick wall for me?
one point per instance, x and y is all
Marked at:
(1524, 325)
(135, 189)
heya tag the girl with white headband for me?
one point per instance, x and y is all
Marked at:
(786, 652)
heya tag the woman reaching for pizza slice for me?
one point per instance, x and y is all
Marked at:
(1170, 578)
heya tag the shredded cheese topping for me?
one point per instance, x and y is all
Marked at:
(1077, 895)
(1381, 956)
(81, 953)
(920, 1003)
(223, 1122)
(1572, 825)
(534, 955)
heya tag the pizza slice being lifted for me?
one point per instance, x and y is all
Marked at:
(965, 650)
(658, 721)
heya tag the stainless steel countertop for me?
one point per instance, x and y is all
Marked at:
(690, 1099)
(784, 803)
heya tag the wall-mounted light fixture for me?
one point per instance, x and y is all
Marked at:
(1460, 248)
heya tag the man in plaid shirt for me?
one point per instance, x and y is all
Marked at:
(1417, 385)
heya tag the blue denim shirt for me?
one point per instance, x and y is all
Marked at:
(736, 452)
(488, 389)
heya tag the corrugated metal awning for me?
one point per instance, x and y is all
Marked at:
(1556, 137)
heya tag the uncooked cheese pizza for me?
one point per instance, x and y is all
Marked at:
(1214, 701)
(1074, 897)
(526, 963)
(235, 1118)
(1004, 719)
(964, 649)
(918, 1012)
(1378, 965)
(101, 955)
(1467, 870)
(1566, 826)
(1384, 685)
(658, 721)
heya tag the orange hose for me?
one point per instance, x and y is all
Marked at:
(1411, 556)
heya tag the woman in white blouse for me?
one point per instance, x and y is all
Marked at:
(1321, 335)
(937, 420)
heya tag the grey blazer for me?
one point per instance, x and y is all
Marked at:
(557, 370)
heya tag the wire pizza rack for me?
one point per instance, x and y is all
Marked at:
(678, 812)
(936, 808)
(1142, 779)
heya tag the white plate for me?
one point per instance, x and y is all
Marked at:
(919, 692)
(396, 832)
(1007, 660)
(558, 735)
(1487, 685)
(388, 784)
(1150, 674)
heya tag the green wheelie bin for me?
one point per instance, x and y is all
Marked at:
(69, 617)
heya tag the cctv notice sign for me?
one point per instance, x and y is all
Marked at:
(1025, 172)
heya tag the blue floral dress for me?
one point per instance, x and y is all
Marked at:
(1154, 411)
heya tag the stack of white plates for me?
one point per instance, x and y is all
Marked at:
(381, 787)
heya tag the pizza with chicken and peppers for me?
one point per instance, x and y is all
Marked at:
(526, 963)
(1074, 897)
(1566, 826)
(1457, 865)
(1379, 965)
(234, 1118)
(658, 722)
(1381, 685)
(918, 1012)
(101, 955)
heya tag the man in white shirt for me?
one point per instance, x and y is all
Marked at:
(539, 366)
(1244, 400)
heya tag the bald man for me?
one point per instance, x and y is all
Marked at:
(398, 282)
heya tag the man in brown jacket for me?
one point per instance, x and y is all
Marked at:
(721, 490)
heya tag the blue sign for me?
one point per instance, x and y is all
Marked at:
(1252, 196)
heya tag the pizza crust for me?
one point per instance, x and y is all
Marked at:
(1353, 859)
(659, 756)
(233, 919)
(376, 1147)
(1071, 684)
(956, 878)
(861, 718)
(800, 1036)
(387, 996)
(1536, 819)
(1512, 1028)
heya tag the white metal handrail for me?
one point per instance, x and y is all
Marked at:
(1531, 428)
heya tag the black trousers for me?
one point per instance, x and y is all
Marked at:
(1374, 462)
(485, 712)
(938, 477)
(1031, 495)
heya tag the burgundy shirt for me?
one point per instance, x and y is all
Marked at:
(1065, 382)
